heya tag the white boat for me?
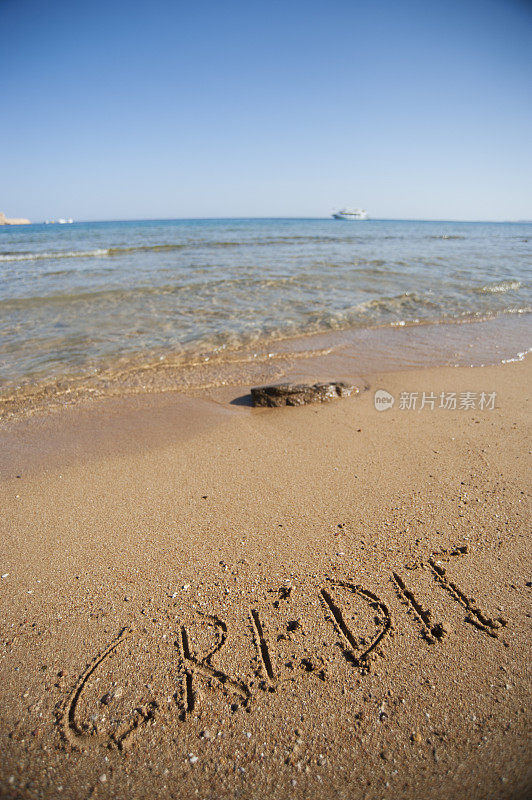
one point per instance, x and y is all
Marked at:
(351, 213)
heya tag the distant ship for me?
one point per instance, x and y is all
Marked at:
(351, 213)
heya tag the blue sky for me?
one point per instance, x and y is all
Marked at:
(116, 110)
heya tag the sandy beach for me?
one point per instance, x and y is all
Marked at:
(201, 599)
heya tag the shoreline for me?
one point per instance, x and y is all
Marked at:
(353, 353)
(312, 552)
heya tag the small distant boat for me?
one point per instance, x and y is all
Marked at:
(351, 213)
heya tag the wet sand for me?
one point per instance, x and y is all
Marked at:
(352, 352)
(200, 599)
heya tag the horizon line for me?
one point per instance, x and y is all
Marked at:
(215, 218)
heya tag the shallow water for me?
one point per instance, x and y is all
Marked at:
(76, 299)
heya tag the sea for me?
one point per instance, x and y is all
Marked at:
(105, 306)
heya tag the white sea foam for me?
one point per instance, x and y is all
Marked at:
(37, 256)
(518, 357)
(499, 288)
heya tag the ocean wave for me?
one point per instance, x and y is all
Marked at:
(395, 303)
(99, 252)
(498, 288)
(37, 256)
(144, 248)
(447, 236)
(121, 294)
(518, 356)
(163, 247)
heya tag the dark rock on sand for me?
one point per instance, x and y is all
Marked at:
(298, 394)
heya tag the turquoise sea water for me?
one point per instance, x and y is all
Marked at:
(78, 298)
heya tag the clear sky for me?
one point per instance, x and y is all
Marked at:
(162, 108)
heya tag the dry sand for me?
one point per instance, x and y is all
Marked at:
(204, 600)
